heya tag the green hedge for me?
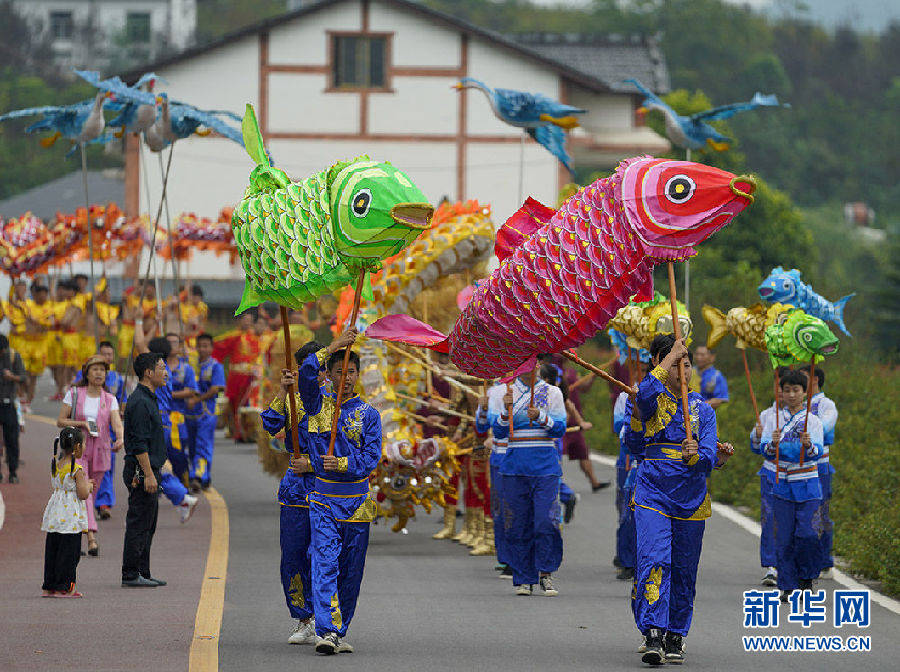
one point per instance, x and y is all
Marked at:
(866, 454)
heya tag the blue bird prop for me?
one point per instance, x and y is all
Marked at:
(544, 119)
(177, 121)
(139, 110)
(694, 132)
(620, 343)
(80, 122)
(786, 287)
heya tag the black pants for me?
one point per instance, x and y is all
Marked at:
(10, 423)
(61, 555)
(140, 525)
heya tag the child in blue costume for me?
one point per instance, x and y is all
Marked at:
(827, 412)
(671, 501)
(297, 483)
(340, 509)
(531, 476)
(797, 492)
(489, 409)
(201, 414)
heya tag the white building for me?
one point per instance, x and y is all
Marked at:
(100, 33)
(340, 78)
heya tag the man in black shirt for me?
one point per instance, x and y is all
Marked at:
(145, 453)
(12, 374)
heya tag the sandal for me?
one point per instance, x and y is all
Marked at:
(72, 593)
(48, 593)
(94, 550)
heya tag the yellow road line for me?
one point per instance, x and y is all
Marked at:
(205, 644)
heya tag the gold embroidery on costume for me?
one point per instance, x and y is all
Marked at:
(660, 374)
(666, 407)
(336, 618)
(295, 590)
(322, 356)
(342, 464)
(671, 453)
(636, 425)
(365, 513)
(651, 590)
(703, 511)
(353, 425)
(321, 421)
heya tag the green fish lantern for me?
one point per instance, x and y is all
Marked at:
(797, 337)
(300, 240)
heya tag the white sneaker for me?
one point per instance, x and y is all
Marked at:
(547, 587)
(344, 646)
(826, 574)
(304, 633)
(771, 577)
(187, 506)
(328, 644)
(523, 589)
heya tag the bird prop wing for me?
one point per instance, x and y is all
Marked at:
(728, 111)
(118, 88)
(553, 139)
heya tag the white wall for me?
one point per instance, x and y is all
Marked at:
(305, 42)
(418, 43)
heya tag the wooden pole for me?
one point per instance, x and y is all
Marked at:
(531, 399)
(572, 357)
(750, 384)
(809, 379)
(90, 225)
(429, 382)
(777, 422)
(292, 401)
(677, 327)
(340, 391)
(509, 412)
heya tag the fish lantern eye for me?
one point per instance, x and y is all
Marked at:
(807, 336)
(679, 189)
(361, 202)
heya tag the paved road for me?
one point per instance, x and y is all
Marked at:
(424, 603)
(111, 628)
(428, 604)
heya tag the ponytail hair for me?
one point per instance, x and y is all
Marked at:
(64, 445)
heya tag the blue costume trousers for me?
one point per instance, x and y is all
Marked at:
(201, 433)
(826, 560)
(767, 523)
(531, 519)
(626, 540)
(796, 541)
(296, 575)
(172, 488)
(338, 554)
(176, 440)
(106, 493)
(497, 514)
(668, 553)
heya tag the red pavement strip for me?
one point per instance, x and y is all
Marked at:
(111, 628)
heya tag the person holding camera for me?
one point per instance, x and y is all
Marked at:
(88, 406)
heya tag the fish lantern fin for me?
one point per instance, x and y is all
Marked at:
(521, 226)
(715, 318)
(402, 328)
(839, 312)
(250, 299)
(645, 291)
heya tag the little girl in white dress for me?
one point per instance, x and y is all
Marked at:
(65, 516)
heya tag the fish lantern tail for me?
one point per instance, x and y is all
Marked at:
(839, 312)
(715, 318)
(405, 329)
(250, 299)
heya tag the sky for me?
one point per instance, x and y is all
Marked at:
(869, 15)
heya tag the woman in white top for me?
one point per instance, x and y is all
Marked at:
(89, 407)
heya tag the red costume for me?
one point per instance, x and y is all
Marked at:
(242, 351)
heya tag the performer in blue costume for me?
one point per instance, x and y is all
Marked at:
(671, 501)
(297, 483)
(183, 382)
(105, 498)
(201, 414)
(797, 492)
(340, 509)
(488, 411)
(827, 412)
(531, 477)
(173, 488)
(766, 475)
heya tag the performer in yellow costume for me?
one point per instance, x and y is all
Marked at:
(107, 313)
(39, 322)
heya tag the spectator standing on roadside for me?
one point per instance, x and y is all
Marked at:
(12, 374)
(713, 385)
(145, 454)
